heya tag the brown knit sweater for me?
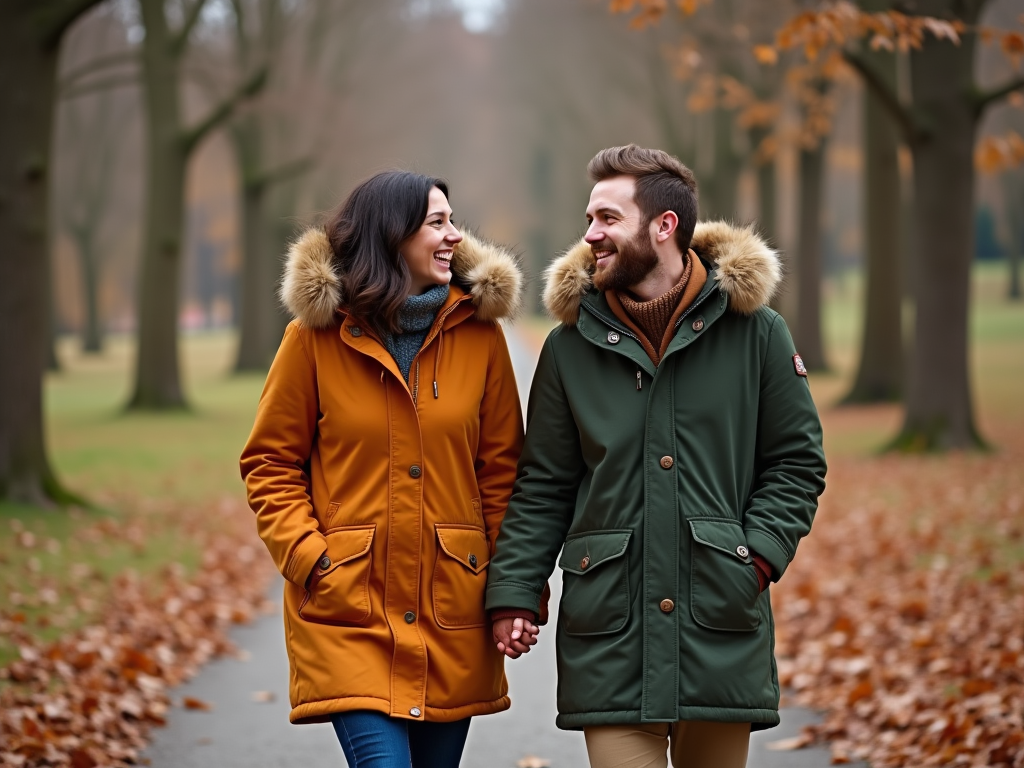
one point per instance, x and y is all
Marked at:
(654, 321)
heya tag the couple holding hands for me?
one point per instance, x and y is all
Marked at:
(672, 462)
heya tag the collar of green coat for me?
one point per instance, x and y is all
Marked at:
(746, 270)
(597, 323)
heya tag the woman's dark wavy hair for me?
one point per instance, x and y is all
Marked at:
(366, 232)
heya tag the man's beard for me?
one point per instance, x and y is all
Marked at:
(634, 261)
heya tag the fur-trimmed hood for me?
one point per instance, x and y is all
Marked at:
(747, 270)
(311, 288)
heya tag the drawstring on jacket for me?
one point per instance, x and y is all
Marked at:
(437, 358)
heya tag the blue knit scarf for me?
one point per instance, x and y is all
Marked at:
(416, 316)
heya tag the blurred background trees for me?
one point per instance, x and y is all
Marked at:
(178, 145)
(936, 118)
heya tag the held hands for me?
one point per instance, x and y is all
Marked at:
(514, 636)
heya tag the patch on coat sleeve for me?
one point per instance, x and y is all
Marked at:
(798, 364)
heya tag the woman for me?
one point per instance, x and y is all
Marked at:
(379, 468)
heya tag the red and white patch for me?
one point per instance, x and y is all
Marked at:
(798, 364)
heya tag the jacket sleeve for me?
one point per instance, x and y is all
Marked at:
(501, 438)
(790, 461)
(541, 509)
(275, 457)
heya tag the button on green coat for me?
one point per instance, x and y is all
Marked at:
(661, 618)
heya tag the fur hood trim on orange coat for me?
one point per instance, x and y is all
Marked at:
(746, 269)
(311, 288)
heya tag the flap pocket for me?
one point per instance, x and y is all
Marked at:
(595, 583)
(466, 544)
(723, 535)
(582, 553)
(344, 544)
(342, 593)
(724, 589)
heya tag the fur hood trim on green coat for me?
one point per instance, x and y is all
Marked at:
(746, 269)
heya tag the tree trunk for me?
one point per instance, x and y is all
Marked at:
(284, 229)
(807, 333)
(52, 328)
(718, 191)
(256, 343)
(28, 67)
(880, 371)
(1013, 197)
(766, 197)
(939, 413)
(157, 378)
(26, 85)
(1013, 293)
(92, 335)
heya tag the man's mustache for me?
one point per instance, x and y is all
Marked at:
(604, 245)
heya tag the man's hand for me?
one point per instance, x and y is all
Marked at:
(514, 636)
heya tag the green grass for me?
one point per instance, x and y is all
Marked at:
(191, 456)
(996, 358)
(150, 476)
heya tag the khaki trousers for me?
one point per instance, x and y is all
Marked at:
(694, 745)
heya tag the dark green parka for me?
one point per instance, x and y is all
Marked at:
(656, 484)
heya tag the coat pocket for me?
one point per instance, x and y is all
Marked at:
(342, 595)
(724, 589)
(595, 582)
(460, 576)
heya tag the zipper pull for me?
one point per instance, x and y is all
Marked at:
(435, 390)
(639, 382)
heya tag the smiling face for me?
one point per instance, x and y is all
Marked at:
(620, 241)
(428, 252)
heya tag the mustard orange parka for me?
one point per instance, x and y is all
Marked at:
(394, 492)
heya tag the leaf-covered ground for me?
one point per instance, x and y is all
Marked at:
(90, 697)
(903, 614)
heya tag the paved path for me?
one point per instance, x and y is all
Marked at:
(240, 732)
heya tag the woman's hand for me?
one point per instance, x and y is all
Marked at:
(514, 636)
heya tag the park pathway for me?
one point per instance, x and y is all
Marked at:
(248, 727)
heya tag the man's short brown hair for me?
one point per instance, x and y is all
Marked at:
(662, 184)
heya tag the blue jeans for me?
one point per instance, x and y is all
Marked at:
(374, 740)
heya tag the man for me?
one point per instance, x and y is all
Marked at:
(673, 455)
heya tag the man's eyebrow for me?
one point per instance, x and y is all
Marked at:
(607, 209)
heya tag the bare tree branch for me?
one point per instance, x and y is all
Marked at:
(909, 123)
(97, 64)
(281, 173)
(985, 99)
(192, 14)
(99, 85)
(199, 74)
(191, 137)
(52, 19)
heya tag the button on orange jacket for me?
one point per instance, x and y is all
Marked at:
(392, 492)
